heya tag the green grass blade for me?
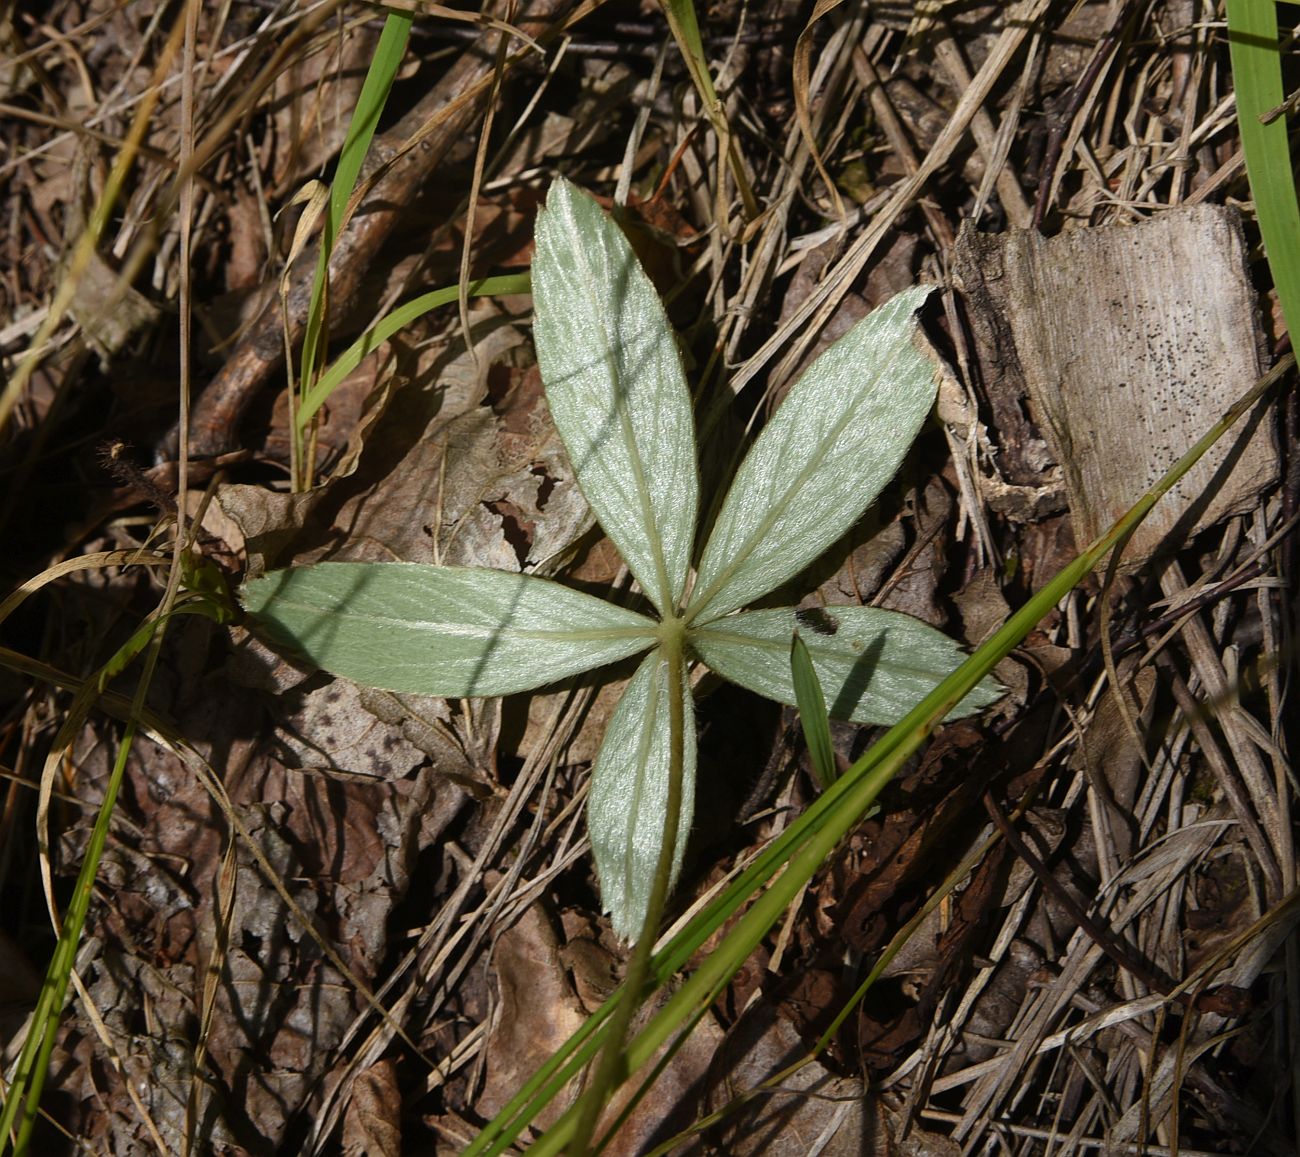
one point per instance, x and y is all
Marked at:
(812, 712)
(1256, 57)
(318, 393)
(370, 107)
(24, 1093)
(361, 130)
(685, 28)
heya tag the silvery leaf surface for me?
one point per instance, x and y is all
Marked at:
(627, 808)
(833, 444)
(448, 631)
(616, 390)
(874, 666)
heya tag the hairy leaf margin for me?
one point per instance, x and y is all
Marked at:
(616, 389)
(836, 440)
(627, 806)
(873, 665)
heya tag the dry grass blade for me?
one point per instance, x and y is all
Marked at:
(802, 62)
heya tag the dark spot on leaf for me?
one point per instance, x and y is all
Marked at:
(818, 620)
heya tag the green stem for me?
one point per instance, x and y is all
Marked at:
(24, 1094)
(611, 1068)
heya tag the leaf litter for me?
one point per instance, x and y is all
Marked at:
(411, 837)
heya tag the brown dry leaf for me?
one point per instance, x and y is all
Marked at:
(441, 477)
(1111, 753)
(329, 727)
(372, 1124)
(109, 310)
(537, 1011)
(109, 313)
(983, 608)
(999, 1003)
(913, 586)
(674, 1103)
(891, 273)
(811, 1110)
(583, 122)
(338, 421)
(158, 1064)
(248, 290)
(856, 577)
(360, 730)
(538, 985)
(583, 745)
(460, 749)
(342, 847)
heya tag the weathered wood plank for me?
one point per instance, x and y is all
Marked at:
(1130, 341)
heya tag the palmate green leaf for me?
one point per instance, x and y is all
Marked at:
(838, 437)
(616, 390)
(627, 809)
(874, 665)
(435, 630)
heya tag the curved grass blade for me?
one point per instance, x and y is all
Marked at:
(384, 66)
(873, 665)
(685, 27)
(627, 810)
(839, 436)
(435, 630)
(375, 89)
(27, 1080)
(383, 329)
(616, 390)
